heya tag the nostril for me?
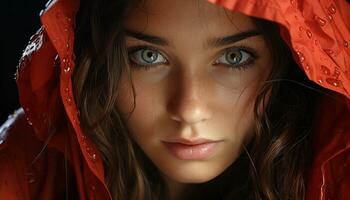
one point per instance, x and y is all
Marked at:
(191, 116)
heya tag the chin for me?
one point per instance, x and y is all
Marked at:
(193, 174)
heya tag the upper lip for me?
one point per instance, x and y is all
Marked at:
(194, 141)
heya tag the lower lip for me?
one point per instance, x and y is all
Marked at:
(191, 152)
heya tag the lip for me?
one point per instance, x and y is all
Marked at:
(197, 149)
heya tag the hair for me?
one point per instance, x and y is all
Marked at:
(275, 162)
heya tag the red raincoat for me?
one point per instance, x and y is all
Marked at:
(316, 30)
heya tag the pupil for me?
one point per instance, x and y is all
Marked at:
(234, 57)
(149, 56)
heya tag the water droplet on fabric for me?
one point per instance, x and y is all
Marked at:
(307, 67)
(301, 28)
(83, 137)
(93, 157)
(332, 9)
(29, 122)
(328, 51)
(69, 101)
(309, 33)
(325, 70)
(66, 69)
(346, 44)
(334, 82)
(321, 21)
(66, 89)
(301, 56)
(336, 73)
(330, 17)
(320, 81)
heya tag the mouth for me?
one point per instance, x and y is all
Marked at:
(197, 149)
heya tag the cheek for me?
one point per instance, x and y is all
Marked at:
(148, 103)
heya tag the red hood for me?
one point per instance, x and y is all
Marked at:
(317, 32)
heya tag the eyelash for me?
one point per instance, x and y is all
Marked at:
(241, 67)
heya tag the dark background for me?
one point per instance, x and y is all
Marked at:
(19, 20)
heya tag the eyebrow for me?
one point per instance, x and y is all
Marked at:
(214, 42)
(148, 38)
(223, 41)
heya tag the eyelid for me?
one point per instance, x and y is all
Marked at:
(249, 50)
(253, 56)
(133, 49)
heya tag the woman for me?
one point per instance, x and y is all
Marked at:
(182, 100)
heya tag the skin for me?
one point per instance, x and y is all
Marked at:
(190, 95)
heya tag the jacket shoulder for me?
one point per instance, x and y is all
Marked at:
(14, 156)
(14, 126)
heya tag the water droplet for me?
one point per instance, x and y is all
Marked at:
(93, 157)
(67, 45)
(330, 17)
(66, 69)
(346, 44)
(309, 33)
(334, 82)
(332, 9)
(29, 122)
(301, 28)
(66, 89)
(328, 51)
(336, 73)
(65, 60)
(301, 56)
(320, 81)
(321, 21)
(83, 137)
(69, 101)
(66, 30)
(88, 149)
(307, 67)
(292, 2)
(325, 70)
(68, 19)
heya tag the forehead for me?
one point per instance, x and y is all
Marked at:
(198, 17)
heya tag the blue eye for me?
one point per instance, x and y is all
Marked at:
(236, 58)
(144, 56)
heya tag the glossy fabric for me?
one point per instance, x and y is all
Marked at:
(316, 30)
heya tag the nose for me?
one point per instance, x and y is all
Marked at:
(189, 102)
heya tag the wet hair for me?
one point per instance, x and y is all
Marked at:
(274, 164)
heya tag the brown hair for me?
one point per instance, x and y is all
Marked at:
(274, 163)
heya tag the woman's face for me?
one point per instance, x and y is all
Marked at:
(196, 69)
